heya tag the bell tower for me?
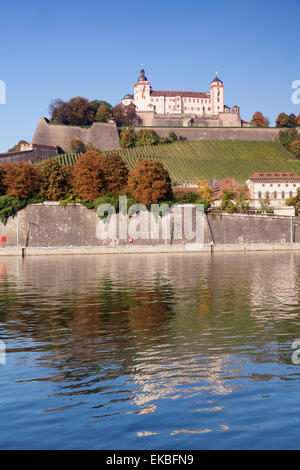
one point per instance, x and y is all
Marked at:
(217, 95)
(142, 90)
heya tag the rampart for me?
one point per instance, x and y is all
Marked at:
(103, 136)
(218, 133)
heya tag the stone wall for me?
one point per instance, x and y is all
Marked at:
(103, 136)
(50, 224)
(220, 133)
(35, 155)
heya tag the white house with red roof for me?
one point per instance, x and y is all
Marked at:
(276, 186)
(187, 103)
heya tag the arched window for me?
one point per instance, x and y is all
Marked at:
(267, 194)
(291, 193)
(275, 195)
(283, 194)
(259, 194)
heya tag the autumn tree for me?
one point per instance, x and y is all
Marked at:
(54, 179)
(295, 146)
(76, 112)
(259, 120)
(127, 137)
(77, 145)
(20, 179)
(115, 173)
(124, 115)
(88, 177)
(285, 120)
(298, 120)
(205, 191)
(149, 182)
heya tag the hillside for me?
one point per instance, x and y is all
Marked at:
(191, 161)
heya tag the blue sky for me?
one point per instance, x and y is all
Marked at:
(94, 48)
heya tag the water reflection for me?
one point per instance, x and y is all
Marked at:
(163, 338)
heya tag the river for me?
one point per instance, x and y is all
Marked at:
(165, 351)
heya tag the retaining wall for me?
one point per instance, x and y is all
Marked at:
(49, 224)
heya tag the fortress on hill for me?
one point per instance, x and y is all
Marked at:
(183, 108)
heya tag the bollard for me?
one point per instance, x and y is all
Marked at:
(23, 252)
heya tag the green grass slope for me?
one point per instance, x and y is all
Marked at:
(191, 161)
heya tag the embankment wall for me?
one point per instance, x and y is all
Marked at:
(51, 225)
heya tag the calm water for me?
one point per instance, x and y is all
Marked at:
(150, 351)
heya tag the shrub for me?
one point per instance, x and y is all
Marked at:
(115, 173)
(77, 145)
(127, 137)
(287, 137)
(146, 137)
(295, 146)
(20, 179)
(172, 137)
(54, 179)
(88, 177)
(149, 182)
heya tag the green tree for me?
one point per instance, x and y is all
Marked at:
(146, 137)
(287, 137)
(16, 148)
(294, 201)
(103, 113)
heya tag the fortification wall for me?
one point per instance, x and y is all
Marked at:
(220, 133)
(35, 155)
(51, 225)
(103, 136)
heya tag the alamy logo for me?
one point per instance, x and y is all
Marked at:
(2, 353)
(2, 92)
(296, 94)
(296, 354)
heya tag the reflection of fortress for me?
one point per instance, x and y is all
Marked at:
(185, 108)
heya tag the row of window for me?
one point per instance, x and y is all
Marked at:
(190, 100)
(286, 184)
(275, 195)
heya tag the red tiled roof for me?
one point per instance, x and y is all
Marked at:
(186, 94)
(274, 174)
(227, 183)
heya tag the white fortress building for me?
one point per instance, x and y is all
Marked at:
(185, 108)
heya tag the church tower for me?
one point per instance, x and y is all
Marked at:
(142, 90)
(217, 95)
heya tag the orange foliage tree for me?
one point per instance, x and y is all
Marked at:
(54, 179)
(88, 176)
(20, 179)
(149, 182)
(259, 120)
(115, 173)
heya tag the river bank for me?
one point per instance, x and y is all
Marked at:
(136, 249)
